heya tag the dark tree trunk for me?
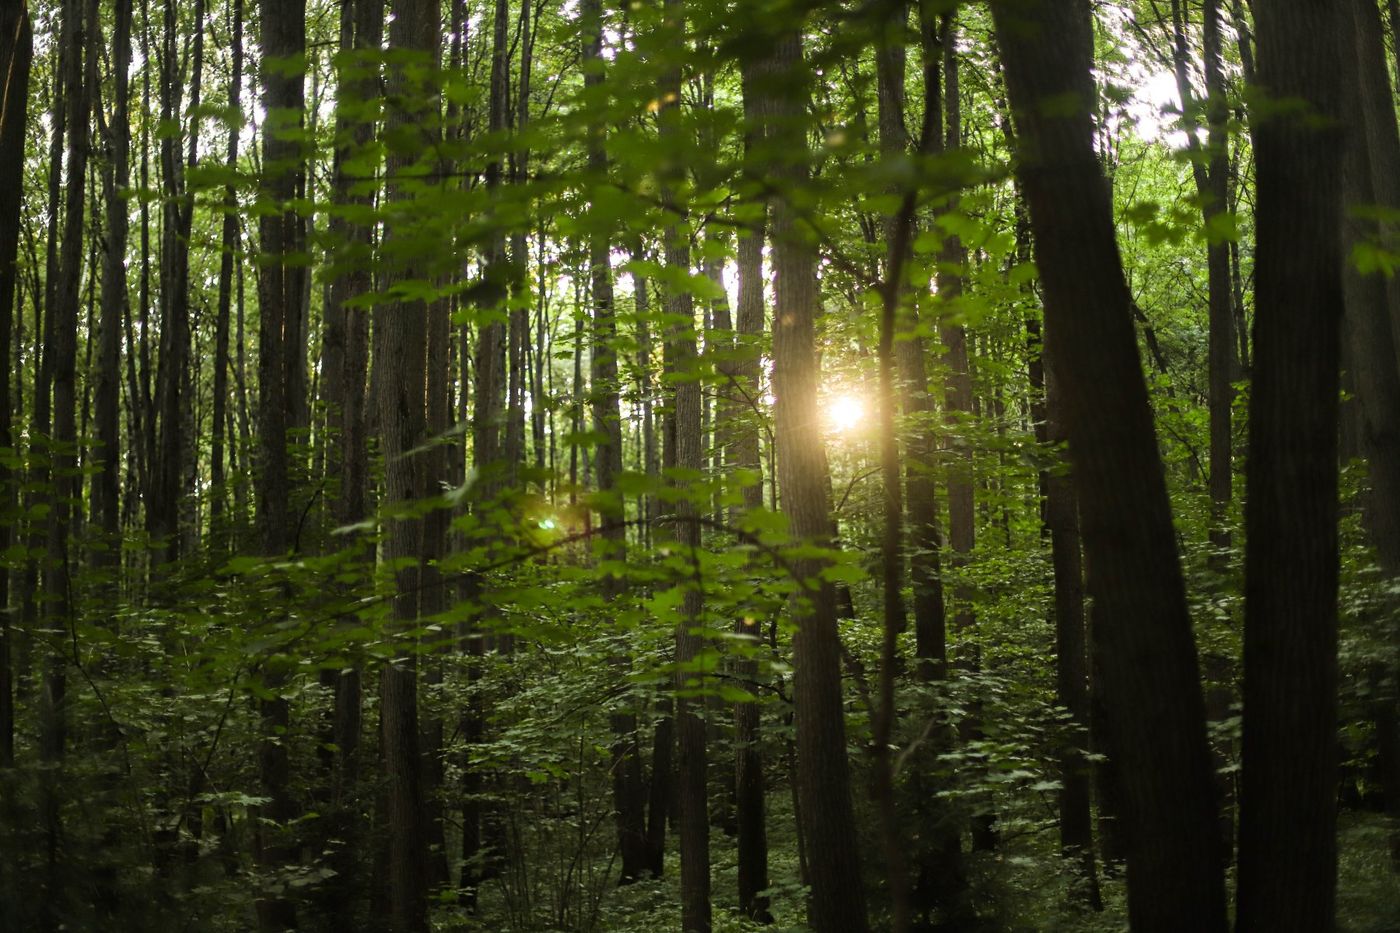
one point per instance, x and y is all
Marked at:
(401, 348)
(1288, 849)
(749, 788)
(106, 488)
(229, 244)
(345, 367)
(628, 800)
(279, 293)
(1156, 714)
(16, 54)
(172, 465)
(1370, 332)
(1071, 663)
(80, 31)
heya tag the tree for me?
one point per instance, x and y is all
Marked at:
(749, 785)
(400, 334)
(16, 54)
(1156, 711)
(1287, 810)
(828, 823)
(106, 486)
(692, 766)
(279, 293)
(228, 246)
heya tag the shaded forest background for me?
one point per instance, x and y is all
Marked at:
(517, 465)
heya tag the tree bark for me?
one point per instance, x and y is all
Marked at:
(16, 55)
(1288, 855)
(401, 348)
(628, 800)
(283, 40)
(1156, 714)
(681, 362)
(106, 484)
(228, 245)
(1370, 332)
(837, 903)
(749, 787)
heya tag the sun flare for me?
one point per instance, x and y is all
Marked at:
(845, 413)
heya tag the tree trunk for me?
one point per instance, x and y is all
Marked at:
(1155, 708)
(1372, 333)
(607, 425)
(16, 55)
(283, 40)
(1288, 854)
(1071, 663)
(401, 347)
(682, 361)
(106, 490)
(229, 244)
(749, 788)
(837, 903)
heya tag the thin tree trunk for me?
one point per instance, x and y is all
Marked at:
(607, 424)
(837, 903)
(749, 786)
(681, 361)
(1372, 333)
(228, 246)
(283, 39)
(1071, 663)
(401, 347)
(106, 505)
(16, 55)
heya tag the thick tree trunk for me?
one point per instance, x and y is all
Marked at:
(1288, 854)
(1154, 703)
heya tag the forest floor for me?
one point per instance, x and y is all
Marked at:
(1368, 887)
(1018, 894)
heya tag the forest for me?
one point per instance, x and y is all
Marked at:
(700, 465)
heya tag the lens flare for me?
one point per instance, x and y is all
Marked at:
(845, 413)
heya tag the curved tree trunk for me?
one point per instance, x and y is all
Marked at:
(1156, 714)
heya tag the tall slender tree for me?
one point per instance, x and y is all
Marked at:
(106, 485)
(16, 55)
(400, 334)
(607, 423)
(749, 786)
(283, 42)
(228, 245)
(687, 458)
(823, 777)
